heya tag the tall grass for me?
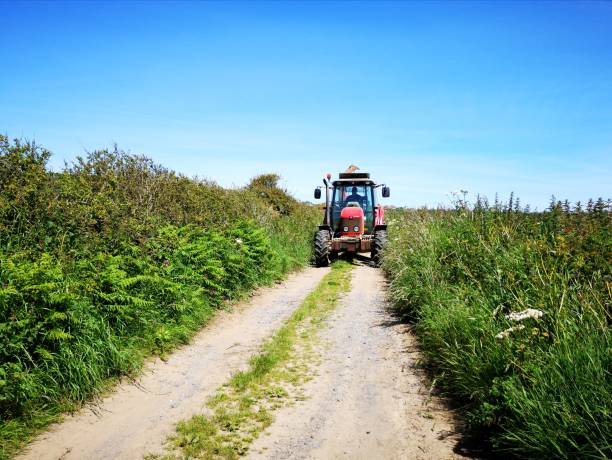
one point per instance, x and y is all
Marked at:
(536, 386)
(115, 258)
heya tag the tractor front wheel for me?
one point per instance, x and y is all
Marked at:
(378, 244)
(321, 248)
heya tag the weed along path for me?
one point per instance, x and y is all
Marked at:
(138, 417)
(315, 368)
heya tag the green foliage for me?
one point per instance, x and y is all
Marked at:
(266, 188)
(23, 187)
(542, 388)
(114, 258)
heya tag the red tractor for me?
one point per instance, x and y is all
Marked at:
(354, 220)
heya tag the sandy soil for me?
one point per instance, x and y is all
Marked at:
(137, 417)
(369, 400)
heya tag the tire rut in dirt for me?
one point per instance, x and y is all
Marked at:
(367, 399)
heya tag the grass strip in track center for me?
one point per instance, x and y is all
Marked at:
(242, 408)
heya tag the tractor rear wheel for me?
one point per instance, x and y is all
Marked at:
(378, 244)
(321, 248)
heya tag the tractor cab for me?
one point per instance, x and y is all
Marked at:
(350, 200)
(354, 220)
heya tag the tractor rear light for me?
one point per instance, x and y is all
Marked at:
(356, 228)
(346, 229)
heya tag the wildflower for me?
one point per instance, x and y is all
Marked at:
(238, 240)
(510, 330)
(521, 315)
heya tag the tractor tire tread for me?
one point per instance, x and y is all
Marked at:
(378, 245)
(321, 248)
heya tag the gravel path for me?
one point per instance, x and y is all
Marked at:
(136, 418)
(368, 400)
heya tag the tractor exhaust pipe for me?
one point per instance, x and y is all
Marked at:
(327, 203)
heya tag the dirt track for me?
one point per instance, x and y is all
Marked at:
(368, 400)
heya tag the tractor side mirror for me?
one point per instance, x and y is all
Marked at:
(317, 193)
(386, 192)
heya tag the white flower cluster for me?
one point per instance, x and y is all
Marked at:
(521, 315)
(238, 240)
(507, 332)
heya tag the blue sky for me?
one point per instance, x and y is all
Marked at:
(430, 97)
